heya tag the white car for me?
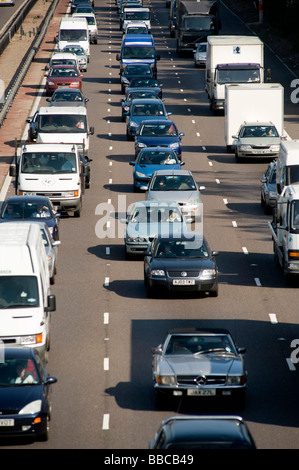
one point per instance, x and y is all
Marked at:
(200, 55)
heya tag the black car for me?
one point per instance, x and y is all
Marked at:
(67, 97)
(25, 394)
(183, 263)
(134, 71)
(75, 3)
(203, 432)
(135, 93)
(28, 208)
(141, 82)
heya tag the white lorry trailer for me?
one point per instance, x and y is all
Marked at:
(263, 102)
(232, 59)
(25, 298)
(287, 168)
(52, 170)
(285, 231)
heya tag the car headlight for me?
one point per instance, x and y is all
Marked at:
(124, 80)
(236, 380)
(157, 272)
(126, 108)
(166, 380)
(137, 239)
(175, 145)
(51, 83)
(275, 147)
(141, 145)
(74, 84)
(245, 147)
(272, 194)
(208, 273)
(32, 408)
(133, 124)
(141, 175)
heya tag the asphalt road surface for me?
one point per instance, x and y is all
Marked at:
(105, 326)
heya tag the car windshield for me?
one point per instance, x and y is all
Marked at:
(201, 48)
(198, 23)
(258, 131)
(18, 291)
(144, 82)
(66, 96)
(18, 372)
(155, 214)
(173, 183)
(73, 35)
(156, 157)
(45, 163)
(63, 72)
(137, 70)
(158, 130)
(62, 123)
(237, 76)
(26, 210)
(192, 248)
(78, 50)
(138, 52)
(199, 344)
(140, 94)
(147, 109)
(137, 30)
(63, 62)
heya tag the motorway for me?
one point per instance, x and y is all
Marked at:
(104, 326)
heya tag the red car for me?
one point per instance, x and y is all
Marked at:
(63, 76)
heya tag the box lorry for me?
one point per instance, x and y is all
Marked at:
(26, 302)
(253, 102)
(232, 59)
(51, 170)
(195, 20)
(287, 168)
(61, 124)
(285, 231)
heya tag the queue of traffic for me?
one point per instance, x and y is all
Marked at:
(51, 174)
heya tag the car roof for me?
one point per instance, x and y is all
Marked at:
(147, 203)
(146, 101)
(22, 199)
(172, 172)
(203, 429)
(194, 330)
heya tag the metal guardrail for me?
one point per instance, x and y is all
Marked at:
(23, 67)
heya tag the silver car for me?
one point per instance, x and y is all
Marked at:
(200, 55)
(179, 186)
(199, 363)
(80, 53)
(149, 218)
(51, 247)
(256, 139)
(268, 188)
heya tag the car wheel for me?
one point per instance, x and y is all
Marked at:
(214, 292)
(44, 436)
(77, 213)
(52, 279)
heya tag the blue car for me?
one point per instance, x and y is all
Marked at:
(134, 93)
(150, 160)
(158, 133)
(142, 110)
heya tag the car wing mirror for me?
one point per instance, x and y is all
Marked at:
(157, 350)
(182, 163)
(91, 130)
(132, 163)
(201, 188)
(241, 350)
(215, 253)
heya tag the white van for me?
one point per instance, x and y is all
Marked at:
(62, 124)
(51, 170)
(137, 14)
(287, 168)
(25, 298)
(74, 30)
(92, 25)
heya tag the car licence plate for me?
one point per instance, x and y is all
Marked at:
(183, 282)
(7, 422)
(203, 393)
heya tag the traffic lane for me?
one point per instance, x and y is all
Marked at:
(7, 12)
